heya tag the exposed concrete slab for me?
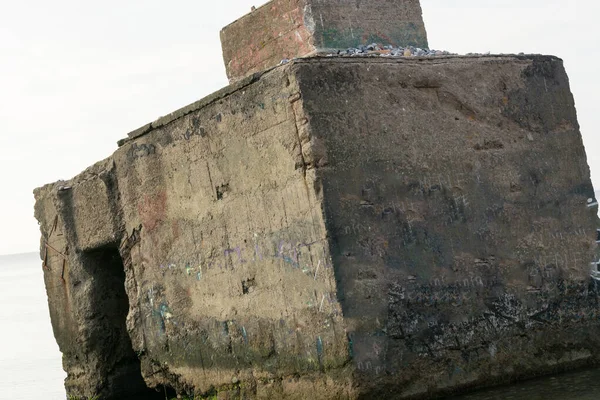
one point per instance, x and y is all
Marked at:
(338, 228)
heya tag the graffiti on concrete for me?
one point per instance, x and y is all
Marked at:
(288, 252)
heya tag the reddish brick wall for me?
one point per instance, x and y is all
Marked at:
(297, 28)
(261, 39)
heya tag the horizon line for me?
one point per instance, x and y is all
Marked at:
(18, 254)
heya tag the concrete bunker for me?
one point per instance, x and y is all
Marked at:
(335, 227)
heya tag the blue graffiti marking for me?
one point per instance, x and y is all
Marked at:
(319, 347)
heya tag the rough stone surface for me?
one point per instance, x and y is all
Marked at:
(334, 228)
(287, 29)
(455, 195)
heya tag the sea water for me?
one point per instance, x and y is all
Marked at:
(31, 368)
(30, 362)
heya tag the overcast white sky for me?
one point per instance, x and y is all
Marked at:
(76, 76)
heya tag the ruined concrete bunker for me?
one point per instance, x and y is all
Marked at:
(332, 228)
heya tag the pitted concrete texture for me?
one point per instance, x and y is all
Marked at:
(287, 29)
(333, 228)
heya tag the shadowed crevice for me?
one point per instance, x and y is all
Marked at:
(106, 329)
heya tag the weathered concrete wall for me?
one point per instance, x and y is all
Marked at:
(456, 195)
(231, 264)
(221, 233)
(334, 228)
(84, 278)
(286, 29)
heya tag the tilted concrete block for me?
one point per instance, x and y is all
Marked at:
(286, 29)
(342, 228)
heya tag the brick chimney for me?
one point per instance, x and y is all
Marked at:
(286, 29)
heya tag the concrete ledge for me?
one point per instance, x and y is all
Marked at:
(164, 120)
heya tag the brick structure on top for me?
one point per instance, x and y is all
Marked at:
(286, 29)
